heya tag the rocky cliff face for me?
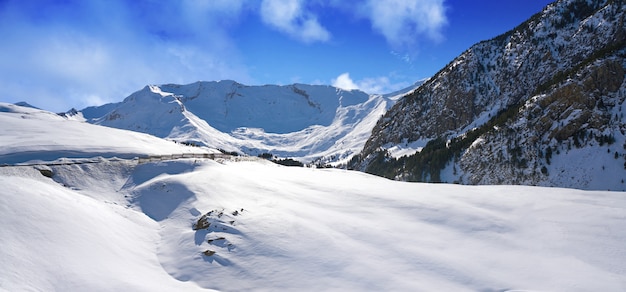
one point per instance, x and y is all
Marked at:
(571, 135)
(492, 113)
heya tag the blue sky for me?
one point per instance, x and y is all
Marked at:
(74, 53)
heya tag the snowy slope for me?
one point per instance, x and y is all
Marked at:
(299, 229)
(307, 122)
(30, 134)
(117, 225)
(54, 239)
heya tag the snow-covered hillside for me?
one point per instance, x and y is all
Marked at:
(307, 122)
(199, 224)
(31, 135)
(279, 228)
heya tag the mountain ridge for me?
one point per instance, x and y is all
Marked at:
(312, 123)
(484, 89)
(430, 132)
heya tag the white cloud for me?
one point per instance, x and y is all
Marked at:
(344, 81)
(371, 85)
(77, 55)
(401, 21)
(289, 16)
(375, 85)
(74, 51)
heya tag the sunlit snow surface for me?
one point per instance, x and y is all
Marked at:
(121, 226)
(300, 229)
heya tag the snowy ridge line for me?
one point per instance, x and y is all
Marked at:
(212, 156)
(140, 160)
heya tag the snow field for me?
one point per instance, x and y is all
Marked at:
(54, 239)
(303, 229)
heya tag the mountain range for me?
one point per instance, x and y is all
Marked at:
(531, 106)
(306, 122)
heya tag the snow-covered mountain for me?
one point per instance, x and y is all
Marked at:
(306, 122)
(120, 224)
(532, 106)
(539, 105)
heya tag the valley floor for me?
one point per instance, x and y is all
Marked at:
(116, 225)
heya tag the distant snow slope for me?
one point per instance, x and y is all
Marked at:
(117, 225)
(307, 122)
(30, 134)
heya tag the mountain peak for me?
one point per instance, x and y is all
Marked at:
(228, 105)
(297, 120)
(25, 104)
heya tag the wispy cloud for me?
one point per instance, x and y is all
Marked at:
(371, 85)
(290, 17)
(74, 53)
(402, 21)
